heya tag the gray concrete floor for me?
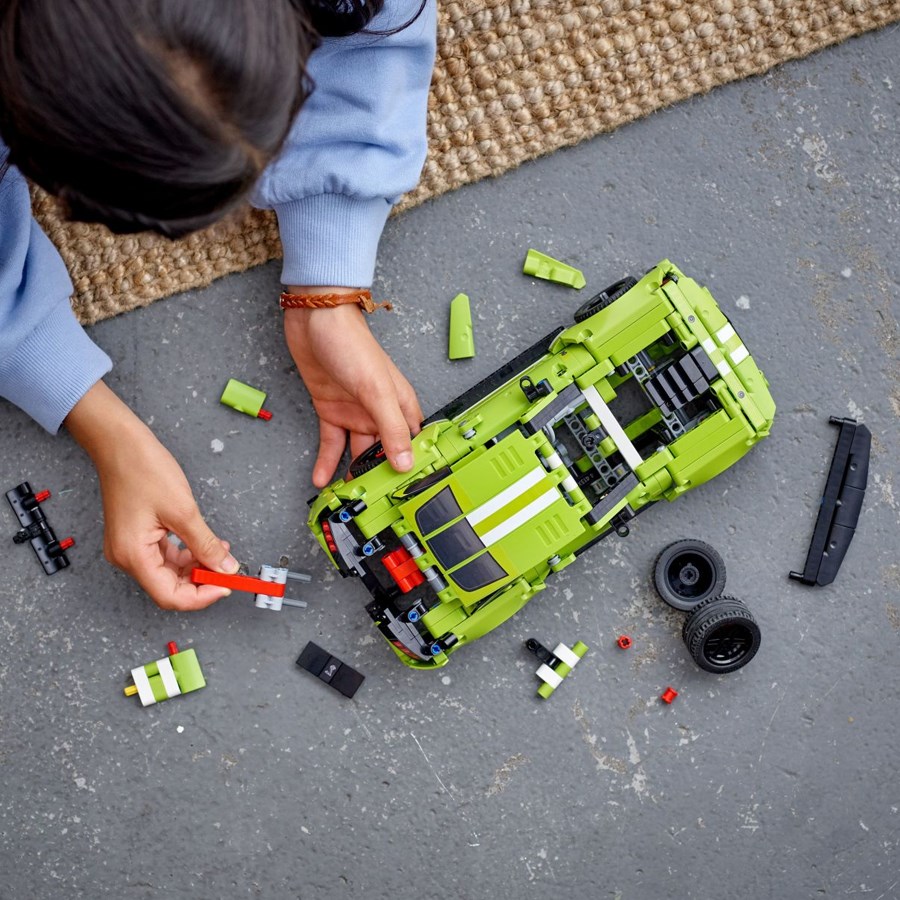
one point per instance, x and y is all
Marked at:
(781, 193)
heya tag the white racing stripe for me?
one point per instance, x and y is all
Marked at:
(480, 513)
(521, 517)
(167, 674)
(142, 683)
(545, 673)
(739, 355)
(724, 368)
(611, 424)
(569, 657)
(725, 333)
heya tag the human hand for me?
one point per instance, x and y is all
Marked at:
(355, 387)
(145, 497)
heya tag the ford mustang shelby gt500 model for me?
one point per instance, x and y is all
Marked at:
(650, 393)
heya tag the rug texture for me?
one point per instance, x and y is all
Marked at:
(514, 79)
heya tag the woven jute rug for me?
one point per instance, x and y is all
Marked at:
(514, 79)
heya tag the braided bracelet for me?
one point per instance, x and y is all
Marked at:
(363, 299)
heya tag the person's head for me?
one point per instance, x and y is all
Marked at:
(157, 114)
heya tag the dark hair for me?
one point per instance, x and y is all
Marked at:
(157, 114)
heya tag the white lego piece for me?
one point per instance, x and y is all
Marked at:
(564, 654)
(612, 427)
(275, 575)
(167, 674)
(142, 683)
(545, 673)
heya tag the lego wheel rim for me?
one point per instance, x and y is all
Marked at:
(687, 573)
(604, 298)
(367, 460)
(722, 635)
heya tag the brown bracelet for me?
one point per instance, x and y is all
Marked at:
(328, 301)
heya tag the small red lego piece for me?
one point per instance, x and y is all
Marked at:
(65, 543)
(41, 496)
(171, 648)
(668, 695)
(329, 538)
(264, 414)
(624, 642)
(403, 569)
(237, 582)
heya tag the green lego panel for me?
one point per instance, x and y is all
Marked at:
(462, 342)
(187, 671)
(153, 686)
(242, 397)
(647, 398)
(540, 265)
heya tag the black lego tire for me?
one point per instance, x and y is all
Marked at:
(604, 298)
(367, 460)
(721, 635)
(687, 573)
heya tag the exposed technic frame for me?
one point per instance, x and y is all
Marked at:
(649, 394)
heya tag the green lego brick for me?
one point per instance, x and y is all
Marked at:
(187, 671)
(242, 397)
(462, 342)
(542, 266)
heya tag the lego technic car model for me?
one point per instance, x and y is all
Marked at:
(650, 393)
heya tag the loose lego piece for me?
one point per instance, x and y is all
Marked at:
(36, 529)
(269, 586)
(462, 342)
(556, 665)
(238, 582)
(245, 399)
(668, 695)
(177, 673)
(624, 642)
(542, 266)
(330, 669)
(841, 504)
(279, 575)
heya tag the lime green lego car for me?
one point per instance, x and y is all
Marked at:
(650, 393)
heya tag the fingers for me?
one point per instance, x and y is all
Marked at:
(332, 440)
(163, 571)
(199, 538)
(392, 426)
(406, 397)
(360, 442)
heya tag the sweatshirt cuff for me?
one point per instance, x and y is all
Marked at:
(331, 239)
(53, 368)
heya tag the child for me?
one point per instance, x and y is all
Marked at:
(165, 115)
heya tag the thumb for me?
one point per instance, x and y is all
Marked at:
(208, 549)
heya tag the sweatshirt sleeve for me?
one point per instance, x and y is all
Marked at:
(358, 143)
(47, 362)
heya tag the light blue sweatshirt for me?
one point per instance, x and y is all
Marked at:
(357, 145)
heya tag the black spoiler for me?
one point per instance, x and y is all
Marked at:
(841, 504)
